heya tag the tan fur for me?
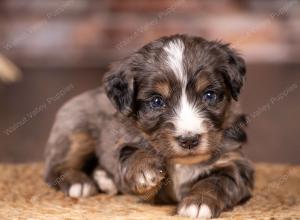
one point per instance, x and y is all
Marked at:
(82, 145)
(163, 88)
(191, 159)
(234, 109)
(228, 158)
(201, 84)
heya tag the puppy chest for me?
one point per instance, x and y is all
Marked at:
(181, 175)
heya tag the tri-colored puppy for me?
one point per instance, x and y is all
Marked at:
(166, 126)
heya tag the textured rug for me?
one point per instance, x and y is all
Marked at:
(24, 195)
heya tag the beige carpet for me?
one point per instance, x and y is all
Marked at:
(24, 195)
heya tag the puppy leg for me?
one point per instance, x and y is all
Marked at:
(66, 164)
(230, 183)
(141, 172)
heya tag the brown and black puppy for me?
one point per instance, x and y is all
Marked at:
(166, 126)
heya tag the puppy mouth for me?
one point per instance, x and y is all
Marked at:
(191, 158)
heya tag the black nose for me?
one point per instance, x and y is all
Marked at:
(188, 142)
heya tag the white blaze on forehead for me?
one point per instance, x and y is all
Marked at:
(188, 118)
(174, 51)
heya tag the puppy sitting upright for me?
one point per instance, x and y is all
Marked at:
(165, 127)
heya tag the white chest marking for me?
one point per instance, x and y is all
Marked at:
(182, 174)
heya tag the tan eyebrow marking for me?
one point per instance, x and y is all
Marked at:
(163, 88)
(201, 84)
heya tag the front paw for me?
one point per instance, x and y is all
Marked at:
(143, 174)
(198, 207)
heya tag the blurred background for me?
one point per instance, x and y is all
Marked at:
(54, 50)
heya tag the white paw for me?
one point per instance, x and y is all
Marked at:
(147, 178)
(78, 190)
(104, 182)
(195, 211)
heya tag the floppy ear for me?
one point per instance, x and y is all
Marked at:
(119, 87)
(235, 71)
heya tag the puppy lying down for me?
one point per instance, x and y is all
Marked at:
(165, 126)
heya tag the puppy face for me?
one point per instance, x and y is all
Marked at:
(178, 90)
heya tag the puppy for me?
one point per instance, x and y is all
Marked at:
(165, 126)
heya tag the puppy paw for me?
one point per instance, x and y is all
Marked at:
(144, 180)
(78, 190)
(195, 211)
(73, 183)
(144, 175)
(147, 179)
(200, 208)
(104, 182)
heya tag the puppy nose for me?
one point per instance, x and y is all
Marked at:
(188, 142)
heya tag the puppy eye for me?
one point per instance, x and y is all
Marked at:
(157, 102)
(210, 97)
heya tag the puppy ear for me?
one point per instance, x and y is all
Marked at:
(119, 87)
(235, 71)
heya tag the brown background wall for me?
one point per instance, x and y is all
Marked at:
(66, 45)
